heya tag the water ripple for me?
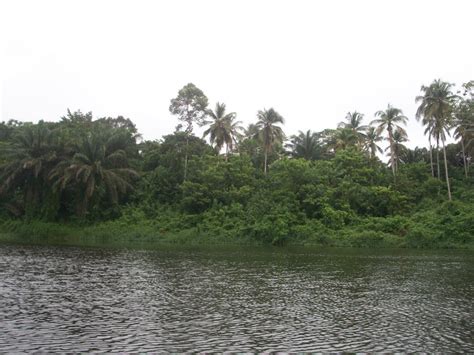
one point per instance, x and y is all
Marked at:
(55, 299)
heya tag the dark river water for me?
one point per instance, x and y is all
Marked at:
(59, 299)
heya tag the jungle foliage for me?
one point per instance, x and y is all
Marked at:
(85, 176)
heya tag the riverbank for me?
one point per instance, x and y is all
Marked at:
(453, 230)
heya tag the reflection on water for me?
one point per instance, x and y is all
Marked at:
(175, 300)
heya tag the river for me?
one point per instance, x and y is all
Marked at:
(176, 299)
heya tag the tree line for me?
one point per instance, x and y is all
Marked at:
(440, 111)
(254, 179)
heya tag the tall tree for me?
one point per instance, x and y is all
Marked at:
(191, 107)
(372, 137)
(270, 131)
(223, 129)
(399, 149)
(342, 138)
(390, 120)
(464, 123)
(305, 145)
(354, 123)
(436, 108)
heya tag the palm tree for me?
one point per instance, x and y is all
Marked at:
(224, 129)
(416, 155)
(436, 107)
(342, 138)
(305, 145)
(29, 160)
(390, 120)
(269, 131)
(249, 142)
(100, 164)
(460, 133)
(372, 137)
(464, 128)
(399, 149)
(353, 122)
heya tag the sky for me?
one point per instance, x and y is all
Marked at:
(313, 61)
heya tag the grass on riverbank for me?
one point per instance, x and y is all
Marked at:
(451, 225)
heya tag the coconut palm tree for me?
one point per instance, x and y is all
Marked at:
(390, 120)
(372, 137)
(269, 130)
(464, 128)
(353, 122)
(342, 138)
(461, 132)
(399, 149)
(436, 108)
(223, 129)
(435, 103)
(100, 164)
(305, 145)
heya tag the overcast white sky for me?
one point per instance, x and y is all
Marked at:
(311, 60)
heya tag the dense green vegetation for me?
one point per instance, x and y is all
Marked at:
(97, 179)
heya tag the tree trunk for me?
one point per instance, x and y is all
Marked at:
(395, 159)
(464, 157)
(186, 158)
(265, 163)
(446, 170)
(431, 156)
(226, 151)
(392, 160)
(437, 158)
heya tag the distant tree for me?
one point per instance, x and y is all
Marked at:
(390, 120)
(119, 122)
(223, 128)
(305, 145)
(399, 149)
(372, 137)
(270, 131)
(77, 117)
(250, 144)
(164, 168)
(190, 106)
(417, 155)
(8, 128)
(436, 107)
(464, 123)
(343, 138)
(354, 123)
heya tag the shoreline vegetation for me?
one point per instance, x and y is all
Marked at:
(449, 226)
(85, 181)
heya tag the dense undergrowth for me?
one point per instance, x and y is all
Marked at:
(447, 225)
(348, 200)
